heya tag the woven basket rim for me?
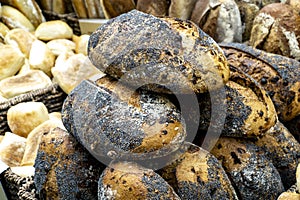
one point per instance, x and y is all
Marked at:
(27, 96)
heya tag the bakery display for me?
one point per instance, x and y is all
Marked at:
(101, 115)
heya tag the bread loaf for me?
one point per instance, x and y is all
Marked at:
(55, 29)
(70, 69)
(64, 169)
(251, 173)
(25, 116)
(154, 7)
(11, 61)
(114, 8)
(197, 174)
(13, 18)
(28, 8)
(275, 30)
(249, 110)
(41, 57)
(21, 39)
(12, 149)
(278, 75)
(23, 83)
(127, 180)
(219, 19)
(181, 8)
(166, 51)
(123, 123)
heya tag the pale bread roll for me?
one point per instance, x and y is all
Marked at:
(23, 117)
(59, 46)
(13, 18)
(12, 149)
(23, 83)
(21, 39)
(2, 99)
(70, 72)
(55, 115)
(34, 138)
(25, 67)
(56, 29)
(41, 57)
(23, 171)
(3, 29)
(82, 44)
(11, 60)
(289, 196)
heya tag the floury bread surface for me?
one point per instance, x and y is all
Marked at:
(144, 49)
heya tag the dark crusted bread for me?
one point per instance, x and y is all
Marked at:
(278, 75)
(112, 120)
(249, 110)
(127, 180)
(64, 169)
(197, 174)
(251, 173)
(142, 49)
(281, 147)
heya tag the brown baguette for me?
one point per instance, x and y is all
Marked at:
(79, 8)
(91, 8)
(114, 8)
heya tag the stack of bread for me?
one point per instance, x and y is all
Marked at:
(122, 134)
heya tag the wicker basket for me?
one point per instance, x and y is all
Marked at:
(70, 18)
(52, 96)
(18, 188)
(23, 188)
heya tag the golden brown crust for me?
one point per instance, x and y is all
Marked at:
(278, 75)
(125, 180)
(197, 174)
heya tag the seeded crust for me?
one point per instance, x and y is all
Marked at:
(64, 169)
(197, 174)
(128, 124)
(249, 110)
(283, 150)
(251, 173)
(143, 49)
(276, 74)
(126, 180)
